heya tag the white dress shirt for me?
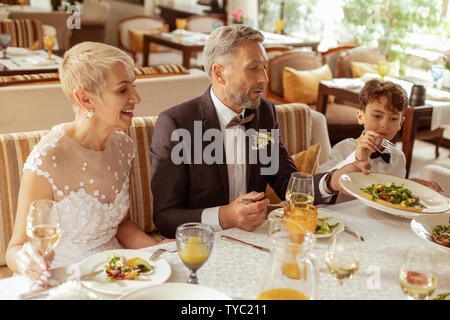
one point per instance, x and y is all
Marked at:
(344, 153)
(235, 154)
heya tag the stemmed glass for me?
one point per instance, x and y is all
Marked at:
(21, 2)
(437, 72)
(181, 25)
(5, 39)
(279, 25)
(383, 68)
(194, 242)
(417, 274)
(43, 228)
(299, 201)
(343, 255)
(49, 42)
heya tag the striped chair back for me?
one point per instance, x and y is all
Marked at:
(25, 33)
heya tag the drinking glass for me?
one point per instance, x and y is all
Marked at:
(383, 68)
(5, 39)
(279, 25)
(194, 242)
(181, 25)
(49, 42)
(343, 255)
(299, 201)
(21, 2)
(417, 274)
(437, 72)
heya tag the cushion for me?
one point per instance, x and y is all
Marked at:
(168, 69)
(361, 68)
(28, 78)
(305, 161)
(303, 86)
(341, 114)
(137, 38)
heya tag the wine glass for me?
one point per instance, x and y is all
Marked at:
(194, 242)
(49, 42)
(181, 25)
(279, 25)
(383, 68)
(5, 39)
(43, 228)
(343, 255)
(299, 201)
(417, 274)
(437, 72)
(21, 2)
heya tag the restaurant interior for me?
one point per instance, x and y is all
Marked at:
(320, 54)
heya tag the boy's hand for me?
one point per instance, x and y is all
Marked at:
(365, 145)
(430, 184)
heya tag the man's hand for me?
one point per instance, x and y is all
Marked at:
(246, 212)
(365, 145)
(357, 166)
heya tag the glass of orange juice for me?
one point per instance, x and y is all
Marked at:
(181, 25)
(383, 68)
(279, 25)
(49, 42)
(194, 242)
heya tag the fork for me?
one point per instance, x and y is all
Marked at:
(159, 252)
(388, 144)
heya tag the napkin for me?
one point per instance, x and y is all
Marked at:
(344, 83)
(16, 51)
(437, 95)
(38, 61)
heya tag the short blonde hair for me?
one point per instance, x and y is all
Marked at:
(86, 65)
(224, 41)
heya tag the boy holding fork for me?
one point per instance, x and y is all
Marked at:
(382, 108)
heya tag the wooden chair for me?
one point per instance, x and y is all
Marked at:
(25, 33)
(204, 23)
(358, 54)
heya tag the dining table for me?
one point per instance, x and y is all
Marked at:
(238, 271)
(435, 112)
(23, 61)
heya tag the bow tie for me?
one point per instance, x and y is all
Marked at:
(239, 120)
(385, 156)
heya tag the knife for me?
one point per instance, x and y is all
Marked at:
(243, 242)
(348, 230)
(43, 291)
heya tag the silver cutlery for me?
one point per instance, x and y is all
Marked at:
(388, 144)
(159, 252)
(348, 230)
(280, 204)
(245, 243)
(44, 291)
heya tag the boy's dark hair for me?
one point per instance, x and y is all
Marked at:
(375, 89)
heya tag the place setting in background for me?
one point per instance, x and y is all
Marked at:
(435, 230)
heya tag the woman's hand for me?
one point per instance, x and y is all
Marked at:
(32, 264)
(430, 184)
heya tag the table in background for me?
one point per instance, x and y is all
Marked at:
(15, 66)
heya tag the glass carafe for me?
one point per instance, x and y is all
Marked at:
(292, 271)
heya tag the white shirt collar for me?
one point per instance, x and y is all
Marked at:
(224, 113)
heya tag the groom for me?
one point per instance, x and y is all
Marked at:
(213, 156)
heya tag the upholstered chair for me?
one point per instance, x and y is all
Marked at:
(358, 54)
(204, 23)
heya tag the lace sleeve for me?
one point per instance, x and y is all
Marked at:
(128, 148)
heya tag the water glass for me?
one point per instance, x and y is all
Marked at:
(437, 72)
(5, 40)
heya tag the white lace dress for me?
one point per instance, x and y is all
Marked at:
(91, 189)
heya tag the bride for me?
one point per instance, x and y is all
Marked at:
(83, 165)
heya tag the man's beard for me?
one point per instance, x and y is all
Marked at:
(245, 99)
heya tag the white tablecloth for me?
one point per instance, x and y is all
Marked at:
(239, 271)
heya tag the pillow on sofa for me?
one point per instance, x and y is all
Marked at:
(361, 68)
(137, 38)
(305, 161)
(303, 85)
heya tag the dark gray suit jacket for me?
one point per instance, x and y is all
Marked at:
(182, 191)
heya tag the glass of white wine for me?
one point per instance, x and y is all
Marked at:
(343, 255)
(417, 274)
(43, 228)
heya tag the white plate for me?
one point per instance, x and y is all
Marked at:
(278, 214)
(434, 201)
(423, 227)
(175, 291)
(99, 283)
(16, 51)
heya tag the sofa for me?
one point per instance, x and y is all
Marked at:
(300, 128)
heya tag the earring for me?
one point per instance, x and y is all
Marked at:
(90, 114)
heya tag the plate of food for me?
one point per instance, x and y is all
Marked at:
(175, 291)
(394, 195)
(124, 270)
(327, 224)
(434, 229)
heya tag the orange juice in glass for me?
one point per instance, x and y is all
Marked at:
(194, 252)
(282, 294)
(49, 42)
(181, 25)
(383, 68)
(279, 25)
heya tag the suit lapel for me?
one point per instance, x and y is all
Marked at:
(250, 125)
(210, 120)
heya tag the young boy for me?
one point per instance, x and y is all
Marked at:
(382, 108)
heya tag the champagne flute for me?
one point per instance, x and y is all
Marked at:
(300, 199)
(383, 68)
(49, 42)
(279, 25)
(181, 25)
(343, 255)
(194, 242)
(5, 39)
(417, 274)
(43, 228)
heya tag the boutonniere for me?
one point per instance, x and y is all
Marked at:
(262, 140)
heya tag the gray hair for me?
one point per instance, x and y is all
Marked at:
(224, 41)
(86, 65)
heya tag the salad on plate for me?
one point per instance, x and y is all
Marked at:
(121, 268)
